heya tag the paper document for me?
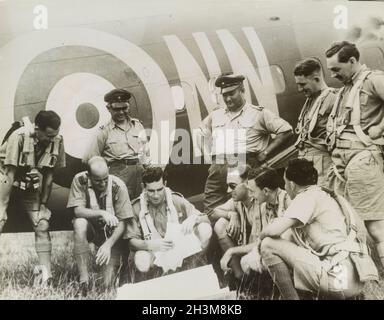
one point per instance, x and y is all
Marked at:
(184, 246)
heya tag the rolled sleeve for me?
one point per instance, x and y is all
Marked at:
(77, 195)
(301, 208)
(122, 204)
(133, 230)
(275, 124)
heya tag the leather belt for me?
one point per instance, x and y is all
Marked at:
(127, 162)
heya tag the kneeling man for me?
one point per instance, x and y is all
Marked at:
(329, 255)
(156, 206)
(101, 206)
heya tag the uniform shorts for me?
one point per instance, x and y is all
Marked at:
(322, 162)
(363, 183)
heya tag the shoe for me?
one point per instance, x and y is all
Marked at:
(41, 277)
(83, 290)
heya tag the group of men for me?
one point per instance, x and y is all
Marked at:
(311, 228)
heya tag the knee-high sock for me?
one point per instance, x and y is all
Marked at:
(81, 252)
(281, 276)
(225, 243)
(43, 250)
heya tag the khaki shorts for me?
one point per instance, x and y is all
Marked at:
(29, 201)
(322, 162)
(364, 181)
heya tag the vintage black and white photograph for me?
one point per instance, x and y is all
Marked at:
(191, 150)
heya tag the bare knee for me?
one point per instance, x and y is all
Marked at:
(220, 227)
(204, 233)
(42, 228)
(266, 247)
(143, 260)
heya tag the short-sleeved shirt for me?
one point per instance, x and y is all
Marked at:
(322, 222)
(250, 219)
(159, 215)
(248, 130)
(371, 99)
(79, 196)
(113, 142)
(319, 131)
(11, 153)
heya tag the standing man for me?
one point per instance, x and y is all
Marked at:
(329, 254)
(156, 206)
(101, 206)
(29, 158)
(311, 126)
(241, 131)
(355, 134)
(122, 142)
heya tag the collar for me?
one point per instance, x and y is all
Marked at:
(101, 195)
(239, 112)
(308, 188)
(357, 74)
(115, 125)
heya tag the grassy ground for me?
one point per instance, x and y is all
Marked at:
(17, 261)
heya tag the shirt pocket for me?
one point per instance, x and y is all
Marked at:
(117, 147)
(364, 97)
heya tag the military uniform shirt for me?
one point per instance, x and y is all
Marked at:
(371, 99)
(11, 151)
(246, 131)
(319, 131)
(79, 197)
(114, 143)
(159, 215)
(322, 221)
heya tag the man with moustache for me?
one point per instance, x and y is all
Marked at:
(28, 160)
(355, 136)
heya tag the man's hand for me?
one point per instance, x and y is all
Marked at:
(252, 261)
(103, 255)
(233, 229)
(109, 219)
(189, 223)
(375, 132)
(225, 260)
(44, 211)
(160, 245)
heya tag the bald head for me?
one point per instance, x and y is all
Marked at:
(98, 173)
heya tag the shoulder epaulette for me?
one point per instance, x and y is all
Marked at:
(177, 194)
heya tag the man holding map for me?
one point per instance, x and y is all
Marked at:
(159, 215)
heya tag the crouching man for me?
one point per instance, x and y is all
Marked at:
(329, 255)
(156, 206)
(101, 206)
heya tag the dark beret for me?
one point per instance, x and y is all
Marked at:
(229, 82)
(117, 95)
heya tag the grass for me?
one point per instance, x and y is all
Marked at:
(18, 258)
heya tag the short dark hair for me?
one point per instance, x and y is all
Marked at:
(47, 118)
(344, 49)
(153, 174)
(301, 172)
(269, 179)
(307, 67)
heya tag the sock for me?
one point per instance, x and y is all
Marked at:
(282, 278)
(43, 250)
